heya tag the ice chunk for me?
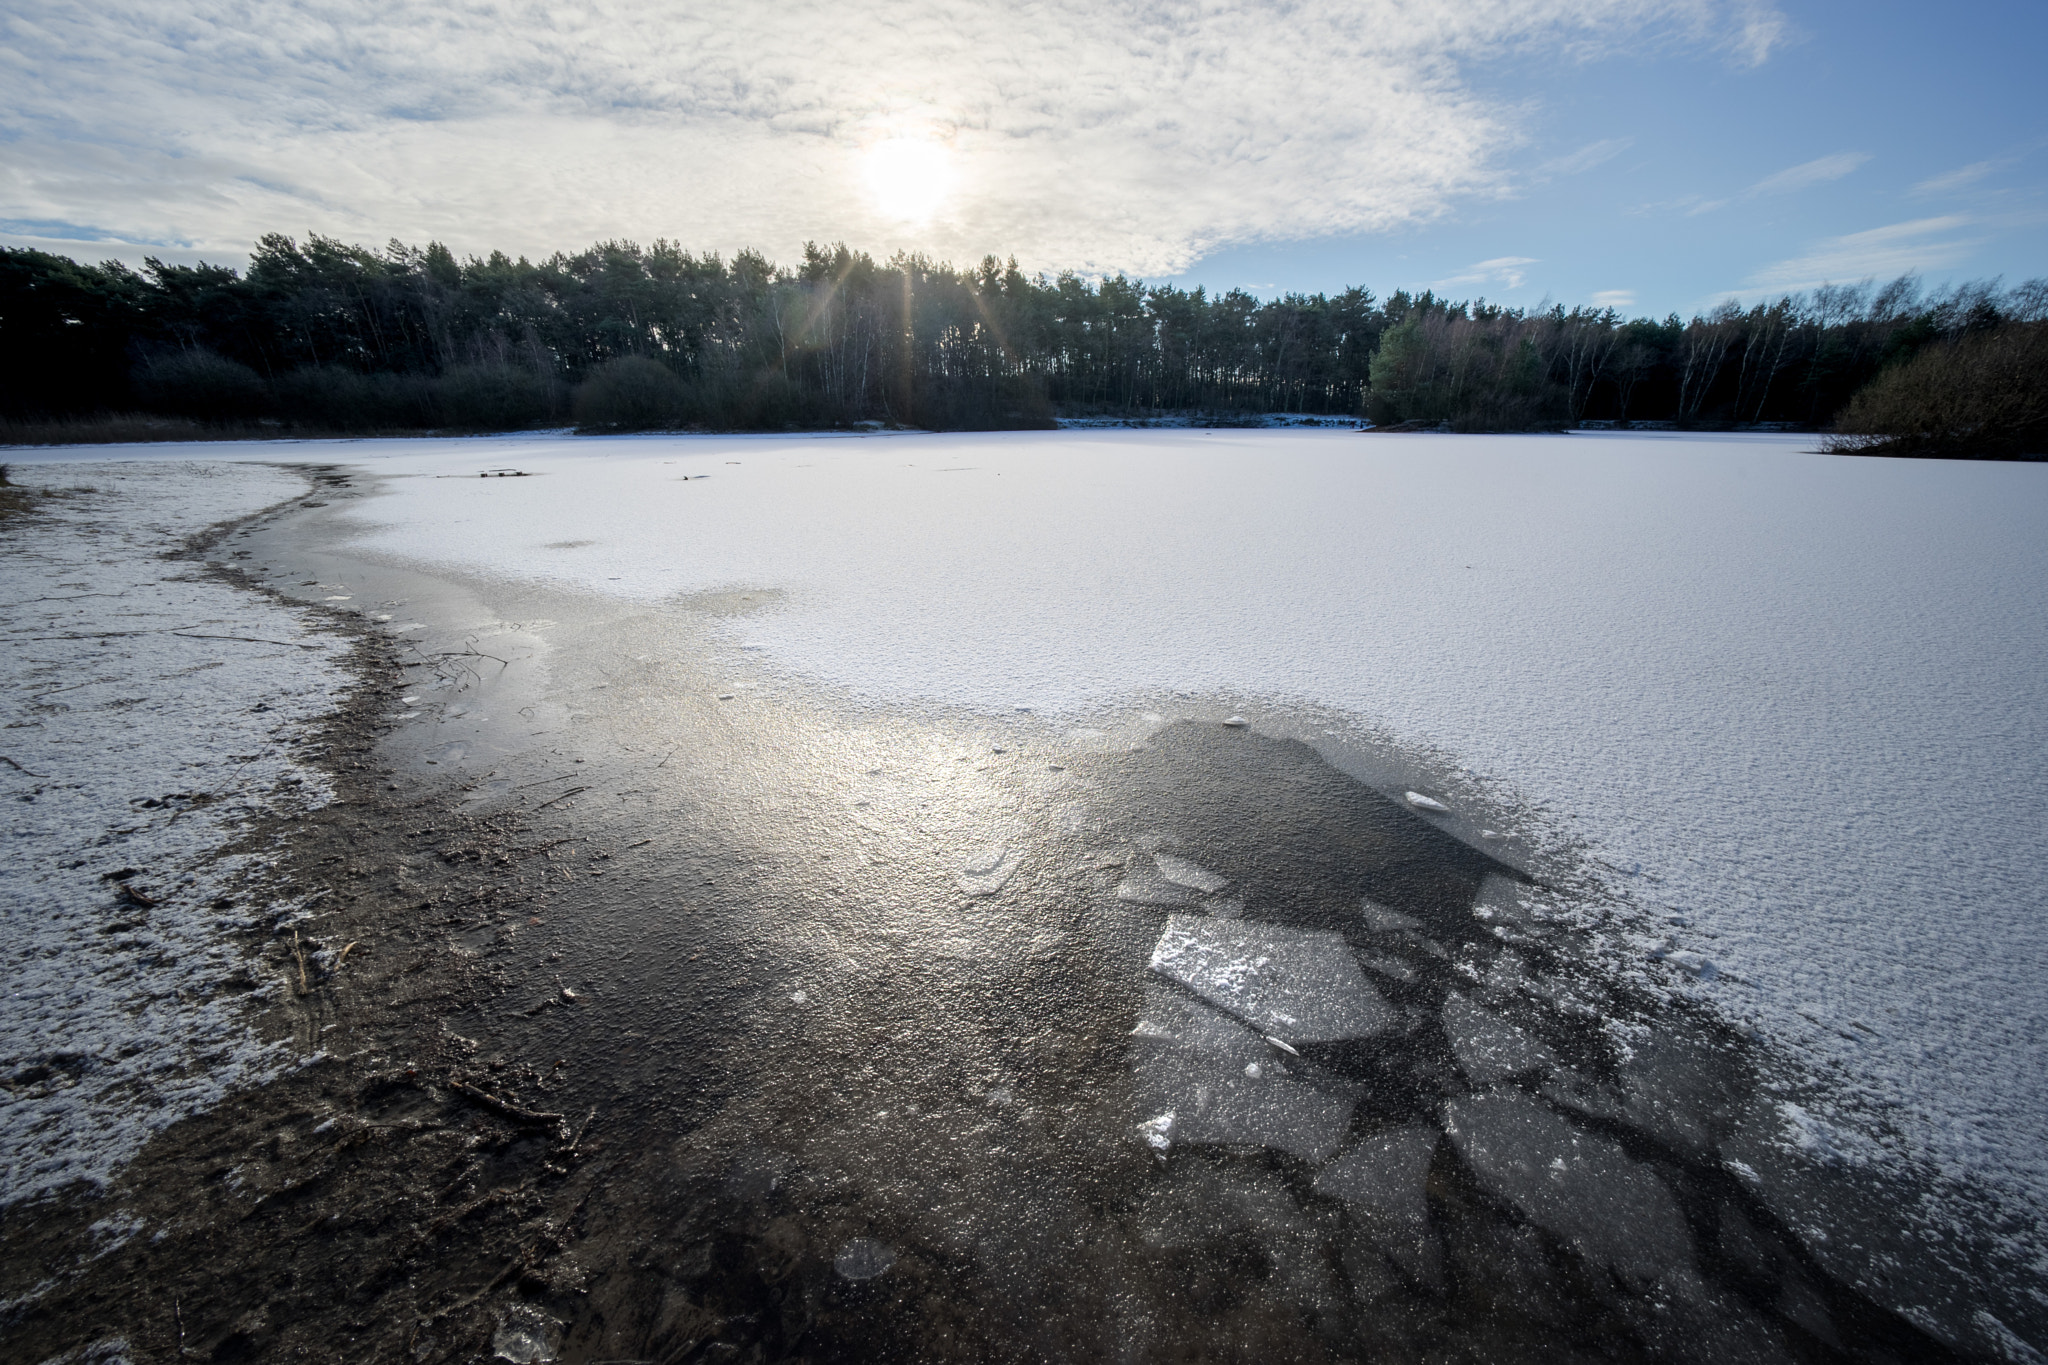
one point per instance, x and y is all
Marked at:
(1488, 1047)
(1158, 1133)
(1145, 884)
(1237, 722)
(1582, 1188)
(1170, 1017)
(1391, 967)
(1383, 1175)
(989, 871)
(526, 1336)
(1184, 873)
(1214, 1082)
(1301, 985)
(1385, 921)
(1676, 1084)
(1428, 803)
(863, 1258)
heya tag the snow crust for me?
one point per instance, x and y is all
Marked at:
(1798, 700)
(138, 733)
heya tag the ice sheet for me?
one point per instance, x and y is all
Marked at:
(1223, 1084)
(1301, 985)
(1798, 697)
(1581, 1187)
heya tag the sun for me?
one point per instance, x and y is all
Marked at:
(909, 177)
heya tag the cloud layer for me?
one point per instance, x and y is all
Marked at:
(1095, 136)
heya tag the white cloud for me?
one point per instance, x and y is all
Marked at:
(1818, 171)
(1101, 136)
(1924, 244)
(1959, 179)
(1502, 270)
(1587, 157)
(1615, 298)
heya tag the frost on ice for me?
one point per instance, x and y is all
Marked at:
(1298, 984)
(1488, 1047)
(1181, 872)
(1213, 1081)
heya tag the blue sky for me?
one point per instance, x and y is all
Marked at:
(1657, 154)
(1924, 128)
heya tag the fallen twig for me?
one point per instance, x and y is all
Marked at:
(525, 1117)
(300, 953)
(577, 1141)
(18, 768)
(247, 640)
(563, 797)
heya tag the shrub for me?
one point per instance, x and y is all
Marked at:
(326, 396)
(202, 386)
(1005, 403)
(1983, 396)
(495, 397)
(632, 393)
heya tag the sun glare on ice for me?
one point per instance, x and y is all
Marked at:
(908, 176)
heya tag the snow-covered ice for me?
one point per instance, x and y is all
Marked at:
(1798, 698)
(149, 713)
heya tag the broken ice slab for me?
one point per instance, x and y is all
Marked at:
(1870, 1231)
(1390, 967)
(863, 1258)
(1579, 1187)
(1214, 1081)
(1384, 1174)
(1382, 1179)
(987, 872)
(1488, 1047)
(1145, 884)
(1428, 803)
(526, 1336)
(1171, 1017)
(1677, 1084)
(1181, 872)
(1301, 985)
(1382, 920)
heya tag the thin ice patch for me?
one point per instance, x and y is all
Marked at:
(1489, 1048)
(1210, 1080)
(1181, 872)
(1583, 1188)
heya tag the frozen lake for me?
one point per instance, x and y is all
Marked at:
(1785, 710)
(1805, 695)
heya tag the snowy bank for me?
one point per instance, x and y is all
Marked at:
(150, 712)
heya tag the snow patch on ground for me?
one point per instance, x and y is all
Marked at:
(147, 715)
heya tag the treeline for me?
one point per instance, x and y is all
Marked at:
(326, 336)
